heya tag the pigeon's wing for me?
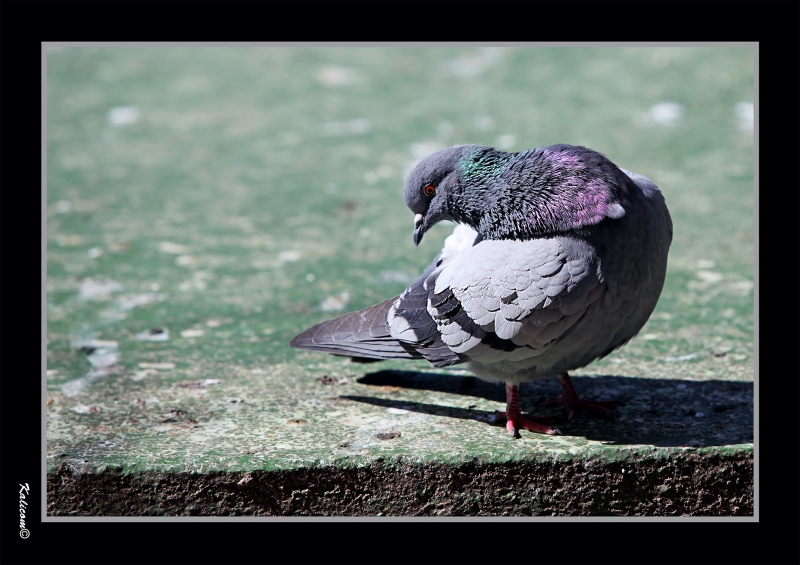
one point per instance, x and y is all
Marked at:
(358, 334)
(398, 328)
(411, 324)
(505, 300)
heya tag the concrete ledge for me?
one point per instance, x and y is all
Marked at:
(341, 439)
(666, 482)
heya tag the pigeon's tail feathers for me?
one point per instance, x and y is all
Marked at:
(361, 334)
(364, 336)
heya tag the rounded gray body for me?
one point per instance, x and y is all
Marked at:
(629, 257)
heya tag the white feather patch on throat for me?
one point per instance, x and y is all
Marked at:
(462, 238)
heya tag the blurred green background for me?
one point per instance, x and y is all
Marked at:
(206, 204)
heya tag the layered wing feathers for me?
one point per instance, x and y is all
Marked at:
(492, 301)
(511, 300)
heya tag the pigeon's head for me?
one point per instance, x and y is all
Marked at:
(553, 189)
(430, 188)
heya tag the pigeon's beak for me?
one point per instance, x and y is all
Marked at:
(419, 228)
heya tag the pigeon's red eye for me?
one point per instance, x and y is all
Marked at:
(430, 190)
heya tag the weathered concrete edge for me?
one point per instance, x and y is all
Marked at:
(682, 483)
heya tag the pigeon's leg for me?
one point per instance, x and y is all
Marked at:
(517, 421)
(571, 400)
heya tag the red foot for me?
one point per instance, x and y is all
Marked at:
(516, 421)
(571, 401)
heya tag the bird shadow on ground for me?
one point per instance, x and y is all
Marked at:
(659, 412)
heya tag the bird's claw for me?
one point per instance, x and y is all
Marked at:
(531, 424)
(514, 432)
(571, 400)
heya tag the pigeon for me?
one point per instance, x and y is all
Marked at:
(558, 258)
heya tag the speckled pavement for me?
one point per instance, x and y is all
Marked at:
(351, 439)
